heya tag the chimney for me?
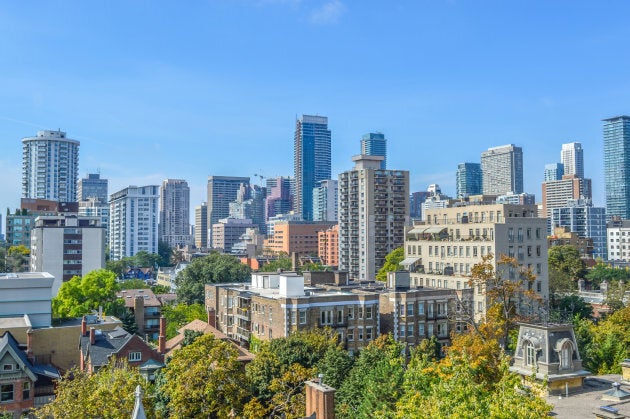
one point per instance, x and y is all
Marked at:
(92, 336)
(294, 261)
(29, 346)
(212, 318)
(84, 326)
(162, 336)
(320, 400)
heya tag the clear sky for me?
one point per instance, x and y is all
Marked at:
(187, 89)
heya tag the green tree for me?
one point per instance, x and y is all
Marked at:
(569, 306)
(144, 259)
(212, 269)
(181, 314)
(392, 263)
(108, 393)
(17, 258)
(282, 262)
(190, 336)
(566, 259)
(606, 344)
(81, 295)
(603, 272)
(128, 320)
(335, 366)
(204, 379)
(133, 284)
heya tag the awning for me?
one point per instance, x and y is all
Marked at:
(434, 230)
(409, 261)
(417, 230)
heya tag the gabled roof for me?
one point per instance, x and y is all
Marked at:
(10, 345)
(105, 344)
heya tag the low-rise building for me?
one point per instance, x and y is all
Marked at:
(277, 304)
(146, 308)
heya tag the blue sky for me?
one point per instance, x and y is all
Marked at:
(189, 89)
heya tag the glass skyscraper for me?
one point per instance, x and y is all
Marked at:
(554, 171)
(375, 144)
(617, 166)
(311, 160)
(468, 179)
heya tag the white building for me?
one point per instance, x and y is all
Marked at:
(325, 201)
(26, 294)
(442, 252)
(174, 227)
(502, 170)
(581, 217)
(67, 245)
(50, 166)
(133, 221)
(373, 212)
(572, 157)
(618, 232)
(228, 231)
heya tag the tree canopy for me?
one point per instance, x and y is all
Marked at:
(212, 269)
(81, 295)
(180, 314)
(392, 263)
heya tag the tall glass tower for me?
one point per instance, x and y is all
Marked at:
(311, 160)
(617, 166)
(375, 144)
(572, 157)
(468, 179)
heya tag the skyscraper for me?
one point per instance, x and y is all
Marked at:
(311, 160)
(174, 226)
(133, 221)
(50, 166)
(617, 166)
(373, 212)
(375, 144)
(221, 191)
(468, 179)
(92, 186)
(279, 198)
(201, 225)
(325, 201)
(502, 170)
(572, 157)
(554, 171)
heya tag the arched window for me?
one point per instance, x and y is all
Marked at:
(530, 354)
(565, 349)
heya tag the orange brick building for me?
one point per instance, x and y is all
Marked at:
(298, 237)
(328, 246)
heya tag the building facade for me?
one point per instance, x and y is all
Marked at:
(617, 166)
(325, 201)
(572, 158)
(375, 144)
(50, 166)
(67, 245)
(502, 170)
(174, 227)
(311, 161)
(92, 186)
(618, 235)
(442, 252)
(581, 217)
(221, 191)
(250, 204)
(279, 197)
(328, 244)
(468, 180)
(228, 231)
(557, 193)
(201, 226)
(373, 211)
(299, 237)
(133, 221)
(554, 171)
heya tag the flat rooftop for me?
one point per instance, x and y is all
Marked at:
(584, 403)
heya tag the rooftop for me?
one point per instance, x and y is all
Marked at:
(584, 403)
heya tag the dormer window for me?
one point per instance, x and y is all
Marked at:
(530, 354)
(565, 349)
(8, 367)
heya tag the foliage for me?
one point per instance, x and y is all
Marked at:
(17, 258)
(566, 259)
(603, 272)
(509, 289)
(133, 284)
(181, 314)
(190, 336)
(204, 379)
(19, 250)
(164, 252)
(160, 289)
(615, 296)
(569, 306)
(109, 393)
(335, 366)
(142, 259)
(375, 382)
(128, 321)
(288, 400)
(81, 295)
(212, 269)
(392, 263)
(282, 262)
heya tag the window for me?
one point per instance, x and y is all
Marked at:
(26, 390)
(530, 354)
(6, 393)
(134, 356)
(409, 309)
(420, 309)
(566, 354)
(350, 335)
(430, 310)
(7, 367)
(421, 329)
(360, 333)
(410, 330)
(368, 333)
(350, 313)
(302, 316)
(293, 317)
(368, 312)
(402, 331)
(430, 329)
(327, 316)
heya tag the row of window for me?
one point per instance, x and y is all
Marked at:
(409, 330)
(409, 309)
(7, 392)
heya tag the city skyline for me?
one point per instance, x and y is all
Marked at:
(137, 99)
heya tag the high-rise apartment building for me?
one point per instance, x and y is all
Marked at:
(279, 197)
(66, 245)
(325, 201)
(502, 170)
(221, 191)
(554, 171)
(618, 233)
(133, 221)
(50, 166)
(201, 226)
(94, 207)
(557, 193)
(617, 166)
(468, 180)
(572, 158)
(373, 211)
(328, 246)
(311, 160)
(416, 199)
(174, 227)
(250, 204)
(581, 217)
(92, 186)
(375, 144)
(442, 252)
